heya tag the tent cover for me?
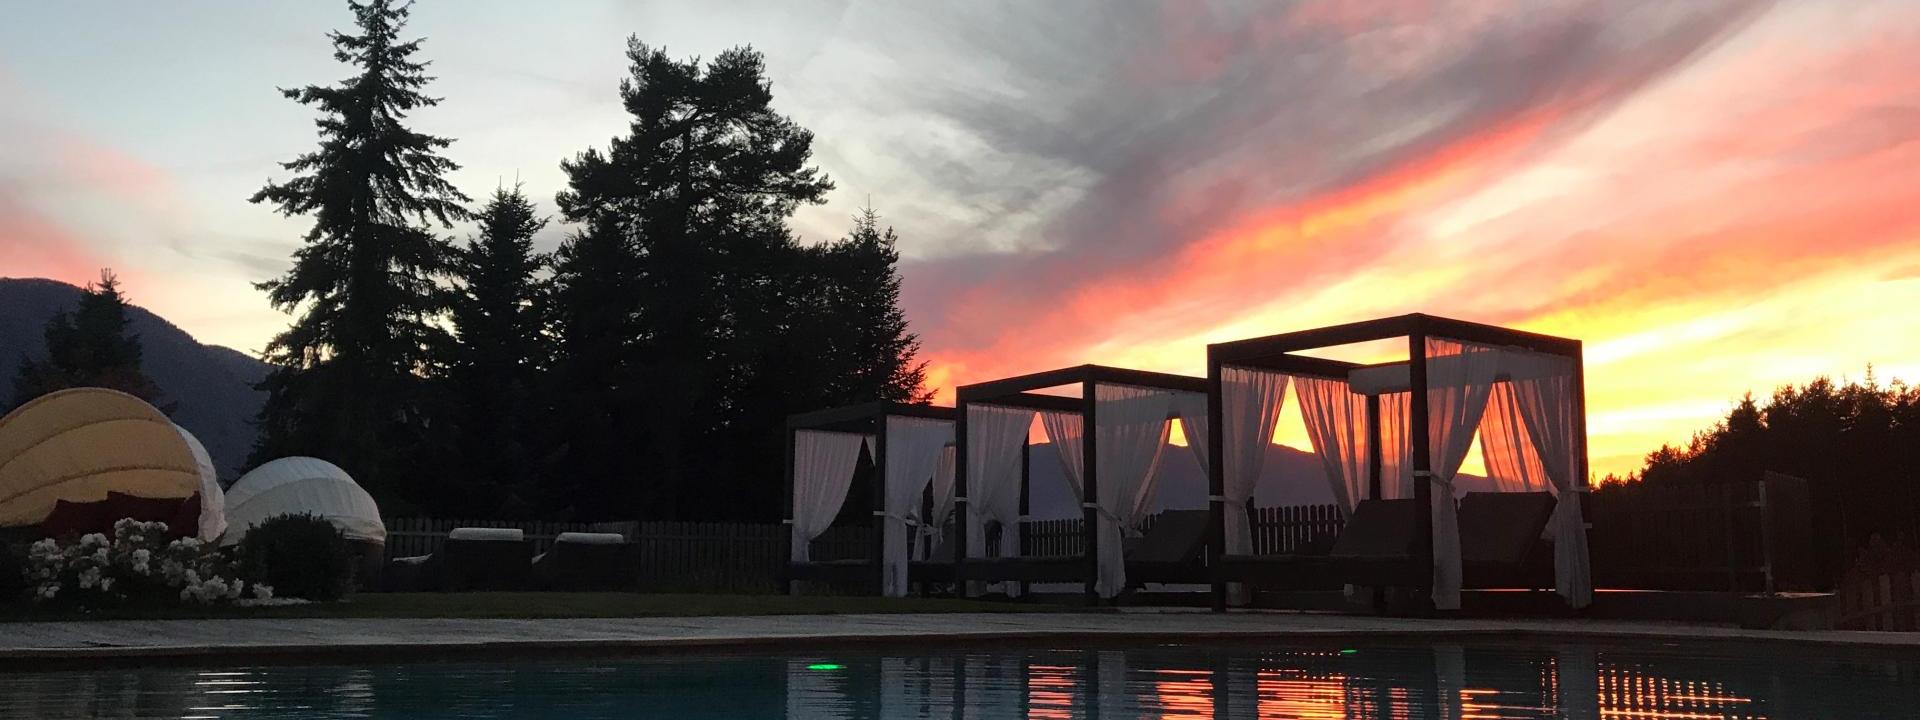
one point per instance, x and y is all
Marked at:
(79, 444)
(293, 485)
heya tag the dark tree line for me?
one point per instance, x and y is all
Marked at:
(89, 347)
(644, 369)
(1857, 445)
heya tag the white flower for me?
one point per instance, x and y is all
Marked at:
(89, 578)
(100, 556)
(262, 591)
(93, 539)
(235, 590)
(106, 584)
(142, 555)
(193, 577)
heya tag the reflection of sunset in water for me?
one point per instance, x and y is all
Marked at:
(1184, 694)
(1050, 691)
(1289, 694)
(1405, 681)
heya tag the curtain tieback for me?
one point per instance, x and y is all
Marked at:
(1125, 529)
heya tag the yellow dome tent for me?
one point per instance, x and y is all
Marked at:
(78, 444)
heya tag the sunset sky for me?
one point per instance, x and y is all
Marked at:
(1718, 197)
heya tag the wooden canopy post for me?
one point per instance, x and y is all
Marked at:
(962, 513)
(879, 495)
(1374, 451)
(1090, 486)
(1216, 479)
(1422, 459)
(786, 585)
(1026, 476)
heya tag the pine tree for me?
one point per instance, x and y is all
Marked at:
(347, 382)
(879, 352)
(90, 347)
(594, 389)
(495, 362)
(695, 198)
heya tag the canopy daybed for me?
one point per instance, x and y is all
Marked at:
(906, 443)
(1389, 434)
(99, 448)
(1111, 470)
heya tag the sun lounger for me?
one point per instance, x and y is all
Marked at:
(485, 559)
(1171, 551)
(1500, 546)
(1376, 547)
(588, 561)
(1500, 540)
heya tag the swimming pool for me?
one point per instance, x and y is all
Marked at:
(1682, 680)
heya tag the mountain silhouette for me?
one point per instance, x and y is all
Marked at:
(211, 385)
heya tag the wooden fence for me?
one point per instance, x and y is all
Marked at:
(747, 557)
(689, 556)
(1753, 536)
(1881, 591)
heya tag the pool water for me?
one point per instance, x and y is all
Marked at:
(1681, 680)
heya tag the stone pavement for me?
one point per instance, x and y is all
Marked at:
(24, 644)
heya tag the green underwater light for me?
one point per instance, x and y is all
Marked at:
(1349, 651)
(825, 666)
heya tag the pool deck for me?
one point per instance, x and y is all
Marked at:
(71, 644)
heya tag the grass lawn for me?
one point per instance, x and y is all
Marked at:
(527, 605)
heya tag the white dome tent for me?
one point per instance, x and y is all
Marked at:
(293, 485)
(213, 506)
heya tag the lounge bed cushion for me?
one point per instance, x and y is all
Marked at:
(590, 538)
(1379, 529)
(487, 534)
(1502, 528)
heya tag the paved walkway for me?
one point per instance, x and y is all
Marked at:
(141, 640)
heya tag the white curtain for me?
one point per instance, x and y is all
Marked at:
(1528, 441)
(1336, 421)
(1546, 403)
(1064, 432)
(1131, 428)
(1513, 464)
(1191, 407)
(823, 465)
(1250, 404)
(932, 529)
(913, 451)
(994, 437)
(1457, 393)
(1396, 446)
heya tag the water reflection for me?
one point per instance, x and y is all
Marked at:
(1445, 681)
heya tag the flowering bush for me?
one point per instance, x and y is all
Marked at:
(133, 566)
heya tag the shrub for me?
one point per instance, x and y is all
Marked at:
(300, 556)
(137, 565)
